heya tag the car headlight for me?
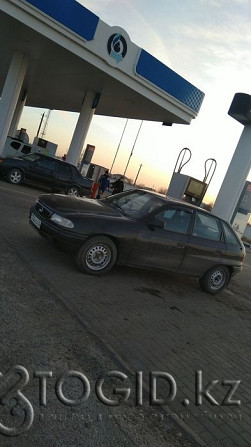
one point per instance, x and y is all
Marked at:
(62, 221)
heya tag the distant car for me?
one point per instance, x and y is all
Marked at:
(140, 228)
(48, 171)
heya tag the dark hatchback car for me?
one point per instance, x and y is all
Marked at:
(142, 229)
(48, 171)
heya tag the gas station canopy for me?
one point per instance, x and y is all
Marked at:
(71, 51)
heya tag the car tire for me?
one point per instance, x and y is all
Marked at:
(97, 255)
(215, 280)
(73, 191)
(15, 176)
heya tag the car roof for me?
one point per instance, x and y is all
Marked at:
(180, 202)
(53, 158)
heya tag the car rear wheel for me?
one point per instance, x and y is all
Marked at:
(73, 191)
(97, 255)
(215, 280)
(15, 176)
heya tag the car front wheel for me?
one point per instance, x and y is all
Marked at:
(97, 255)
(15, 176)
(73, 191)
(215, 280)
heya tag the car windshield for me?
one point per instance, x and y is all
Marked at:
(31, 157)
(136, 204)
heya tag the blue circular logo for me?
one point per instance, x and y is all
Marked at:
(117, 47)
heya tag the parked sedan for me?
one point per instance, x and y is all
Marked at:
(48, 171)
(142, 229)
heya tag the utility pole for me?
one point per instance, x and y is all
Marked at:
(119, 145)
(45, 124)
(40, 124)
(137, 174)
(133, 147)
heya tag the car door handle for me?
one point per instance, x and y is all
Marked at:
(181, 245)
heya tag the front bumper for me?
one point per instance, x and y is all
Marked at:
(55, 232)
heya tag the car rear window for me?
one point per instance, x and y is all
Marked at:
(26, 149)
(230, 237)
(15, 145)
(76, 172)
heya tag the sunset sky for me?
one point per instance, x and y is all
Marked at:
(205, 41)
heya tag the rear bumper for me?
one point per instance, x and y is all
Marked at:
(236, 270)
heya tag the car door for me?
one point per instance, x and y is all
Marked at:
(42, 171)
(206, 247)
(64, 175)
(162, 239)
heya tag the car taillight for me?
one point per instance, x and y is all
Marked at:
(242, 257)
(1, 160)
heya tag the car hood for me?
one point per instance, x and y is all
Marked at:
(75, 205)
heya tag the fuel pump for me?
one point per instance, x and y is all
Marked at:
(185, 187)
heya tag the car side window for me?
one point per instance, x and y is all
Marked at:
(207, 227)
(46, 164)
(26, 149)
(64, 171)
(175, 220)
(15, 145)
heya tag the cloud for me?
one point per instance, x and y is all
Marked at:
(70, 117)
(144, 34)
(208, 43)
(199, 39)
(211, 47)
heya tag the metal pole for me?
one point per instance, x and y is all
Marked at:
(46, 123)
(40, 124)
(133, 147)
(137, 174)
(119, 145)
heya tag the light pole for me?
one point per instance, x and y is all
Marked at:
(133, 147)
(119, 145)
